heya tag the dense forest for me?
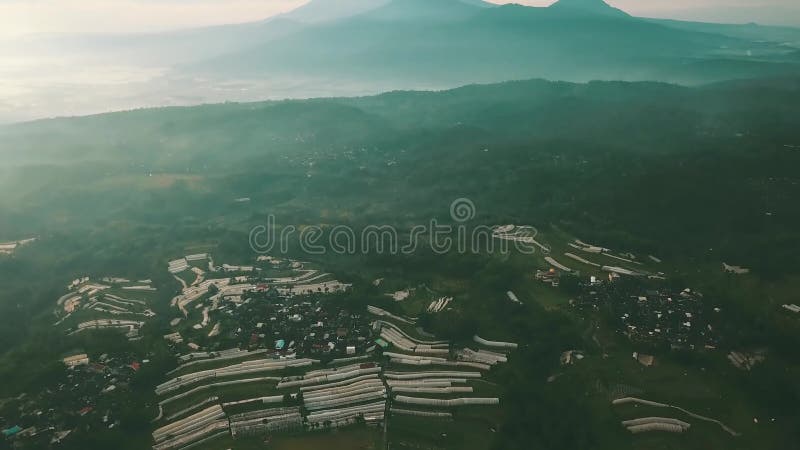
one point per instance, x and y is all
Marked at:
(679, 170)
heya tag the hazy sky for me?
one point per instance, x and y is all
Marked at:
(33, 16)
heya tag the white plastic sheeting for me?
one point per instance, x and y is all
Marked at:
(436, 374)
(215, 385)
(339, 383)
(243, 368)
(193, 359)
(263, 413)
(260, 426)
(377, 393)
(627, 400)
(331, 370)
(432, 390)
(383, 313)
(649, 420)
(130, 325)
(191, 408)
(657, 426)
(344, 416)
(340, 394)
(481, 356)
(412, 412)
(619, 270)
(496, 344)
(195, 436)
(404, 343)
(552, 261)
(414, 357)
(438, 362)
(445, 402)
(639, 401)
(265, 421)
(361, 391)
(328, 378)
(189, 424)
(343, 390)
(382, 324)
(441, 382)
(580, 259)
(264, 400)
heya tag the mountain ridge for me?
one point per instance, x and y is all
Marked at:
(588, 7)
(321, 11)
(440, 10)
(406, 44)
(399, 42)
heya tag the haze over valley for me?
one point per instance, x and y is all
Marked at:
(371, 46)
(399, 224)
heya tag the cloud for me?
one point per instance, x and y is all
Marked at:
(42, 16)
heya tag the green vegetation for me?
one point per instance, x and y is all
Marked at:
(697, 176)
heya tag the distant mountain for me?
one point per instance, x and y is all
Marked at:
(441, 43)
(587, 7)
(749, 31)
(317, 11)
(359, 47)
(439, 10)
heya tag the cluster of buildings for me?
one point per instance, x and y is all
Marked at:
(551, 277)
(276, 305)
(279, 325)
(309, 327)
(654, 318)
(93, 395)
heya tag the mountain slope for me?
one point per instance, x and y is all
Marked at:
(317, 11)
(616, 156)
(749, 31)
(359, 47)
(417, 10)
(587, 7)
(576, 40)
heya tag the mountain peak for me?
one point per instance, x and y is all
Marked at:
(588, 7)
(328, 10)
(427, 9)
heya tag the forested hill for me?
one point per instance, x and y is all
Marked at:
(674, 169)
(362, 47)
(424, 43)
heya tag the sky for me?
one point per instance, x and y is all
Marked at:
(43, 16)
